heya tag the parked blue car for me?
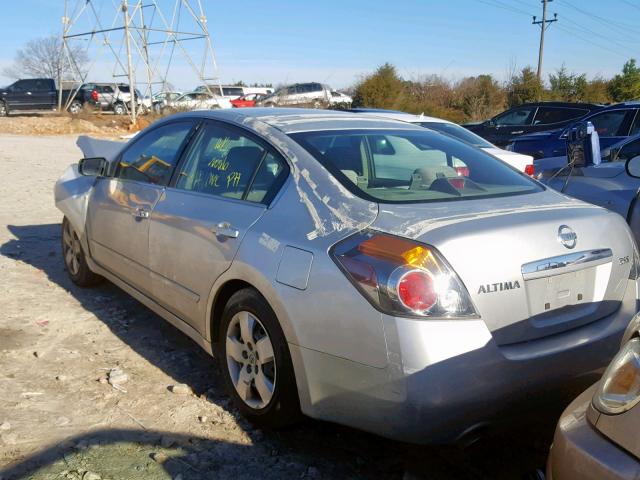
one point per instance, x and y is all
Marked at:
(613, 124)
(608, 185)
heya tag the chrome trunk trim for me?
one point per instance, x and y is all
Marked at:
(565, 263)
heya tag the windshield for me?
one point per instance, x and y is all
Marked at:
(458, 132)
(410, 166)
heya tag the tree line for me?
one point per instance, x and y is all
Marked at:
(483, 96)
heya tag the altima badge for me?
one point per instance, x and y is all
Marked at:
(567, 237)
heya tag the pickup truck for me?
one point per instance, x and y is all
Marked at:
(38, 94)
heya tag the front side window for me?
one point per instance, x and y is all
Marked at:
(152, 157)
(227, 163)
(609, 124)
(548, 115)
(411, 166)
(518, 116)
(28, 85)
(630, 150)
(19, 86)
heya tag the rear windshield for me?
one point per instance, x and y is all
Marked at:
(412, 166)
(458, 132)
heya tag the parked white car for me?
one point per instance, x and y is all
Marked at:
(233, 92)
(524, 163)
(199, 101)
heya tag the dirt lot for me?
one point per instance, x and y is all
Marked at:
(60, 418)
(97, 125)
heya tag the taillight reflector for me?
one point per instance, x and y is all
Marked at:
(416, 291)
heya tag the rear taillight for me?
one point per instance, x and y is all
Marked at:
(94, 95)
(402, 277)
(530, 170)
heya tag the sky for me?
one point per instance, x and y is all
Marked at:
(339, 41)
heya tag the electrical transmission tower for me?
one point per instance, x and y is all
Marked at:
(543, 26)
(144, 41)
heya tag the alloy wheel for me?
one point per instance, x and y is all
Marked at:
(250, 360)
(74, 108)
(71, 245)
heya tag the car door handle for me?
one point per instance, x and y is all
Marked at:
(141, 212)
(224, 229)
(28, 93)
(517, 132)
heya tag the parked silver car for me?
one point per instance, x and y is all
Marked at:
(361, 270)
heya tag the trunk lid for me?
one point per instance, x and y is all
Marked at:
(525, 284)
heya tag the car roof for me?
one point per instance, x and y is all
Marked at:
(560, 104)
(401, 116)
(291, 120)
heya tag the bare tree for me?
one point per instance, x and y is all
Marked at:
(43, 57)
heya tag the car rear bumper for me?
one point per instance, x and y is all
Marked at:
(484, 388)
(579, 452)
(448, 381)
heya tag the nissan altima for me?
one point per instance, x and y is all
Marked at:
(355, 269)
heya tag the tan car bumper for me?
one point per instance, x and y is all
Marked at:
(580, 452)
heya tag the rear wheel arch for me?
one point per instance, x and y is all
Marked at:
(633, 216)
(224, 293)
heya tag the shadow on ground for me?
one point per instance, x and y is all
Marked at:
(332, 451)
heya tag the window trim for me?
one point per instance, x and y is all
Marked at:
(633, 122)
(180, 152)
(271, 194)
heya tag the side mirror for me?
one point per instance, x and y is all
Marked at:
(633, 167)
(490, 123)
(93, 167)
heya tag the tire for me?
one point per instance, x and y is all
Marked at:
(75, 107)
(4, 111)
(119, 109)
(74, 258)
(634, 219)
(247, 328)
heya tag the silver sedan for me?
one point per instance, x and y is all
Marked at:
(356, 269)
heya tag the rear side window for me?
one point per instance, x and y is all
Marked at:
(225, 162)
(610, 124)
(41, 85)
(152, 157)
(547, 115)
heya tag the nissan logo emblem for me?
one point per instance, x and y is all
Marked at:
(567, 237)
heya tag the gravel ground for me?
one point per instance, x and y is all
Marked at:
(86, 377)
